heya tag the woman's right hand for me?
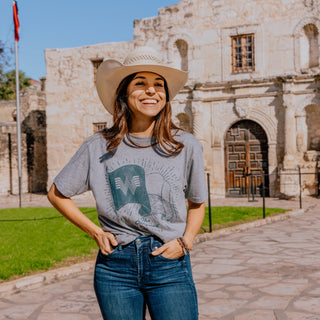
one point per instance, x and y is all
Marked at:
(106, 241)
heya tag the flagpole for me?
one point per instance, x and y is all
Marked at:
(18, 122)
(16, 38)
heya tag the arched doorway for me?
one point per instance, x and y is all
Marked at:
(246, 158)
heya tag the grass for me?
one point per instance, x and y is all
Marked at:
(33, 239)
(31, 245)
(223, 217)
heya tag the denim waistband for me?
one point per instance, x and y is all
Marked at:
(144, 240)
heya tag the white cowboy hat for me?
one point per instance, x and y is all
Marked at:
(143, 59)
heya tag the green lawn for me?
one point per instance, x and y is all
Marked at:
(39, 244)
(222, 217)
(33, 239)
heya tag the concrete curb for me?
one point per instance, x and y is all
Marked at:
(246, 226)
(35, 281)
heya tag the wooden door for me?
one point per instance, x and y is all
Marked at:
(246, 157)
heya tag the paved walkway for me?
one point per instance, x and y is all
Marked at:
(34, 200)
(271, 272)
(266, 273)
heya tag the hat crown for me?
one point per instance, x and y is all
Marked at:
(142, 56)
(142, 59)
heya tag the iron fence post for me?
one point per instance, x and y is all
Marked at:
(209, 202)
(318, 174)
(251, 188)
(300, 188)
(263, 197)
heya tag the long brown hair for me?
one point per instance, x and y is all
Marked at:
(164, 129)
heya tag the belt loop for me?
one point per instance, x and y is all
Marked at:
(151, 243)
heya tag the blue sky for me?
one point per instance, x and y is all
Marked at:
(46, 24)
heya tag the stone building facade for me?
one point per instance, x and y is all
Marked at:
(33, 143)
(252, 98)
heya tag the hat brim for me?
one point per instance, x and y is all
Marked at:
(111, 72)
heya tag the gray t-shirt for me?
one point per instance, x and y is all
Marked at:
(138, 191)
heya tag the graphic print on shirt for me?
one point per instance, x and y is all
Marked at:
(128, 185)
(143, 192)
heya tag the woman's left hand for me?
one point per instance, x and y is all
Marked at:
(170, 250)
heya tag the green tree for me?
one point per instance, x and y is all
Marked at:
(8, 79)
(2, 59)
(8, 84)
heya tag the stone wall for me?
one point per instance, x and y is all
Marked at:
(33, 143)
(72, 101)
(206, 27)
(9, 182)
(281, 94)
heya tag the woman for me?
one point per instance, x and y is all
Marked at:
(140, 172)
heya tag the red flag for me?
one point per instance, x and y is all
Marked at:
(16, 21)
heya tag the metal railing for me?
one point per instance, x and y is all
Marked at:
(252, 192)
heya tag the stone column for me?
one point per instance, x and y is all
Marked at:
(290, 144)
(301, 133)
(216, 155)
(197, 123)
(289, 182)
(198, 127)
(273, 164)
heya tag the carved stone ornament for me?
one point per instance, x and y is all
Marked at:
(309, 3)
(312, 155)
(240, 111)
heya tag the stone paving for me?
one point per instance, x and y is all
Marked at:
(271, 272)
(268, 273)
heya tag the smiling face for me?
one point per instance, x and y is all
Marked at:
(146, 96)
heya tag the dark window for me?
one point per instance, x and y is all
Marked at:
(98, 126)
(243, 53)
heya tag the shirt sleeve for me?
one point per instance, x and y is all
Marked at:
(196, 190)
(73, 179)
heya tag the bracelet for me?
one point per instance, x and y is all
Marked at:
(183, 244)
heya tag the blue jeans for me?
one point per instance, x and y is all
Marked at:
(129, 278)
